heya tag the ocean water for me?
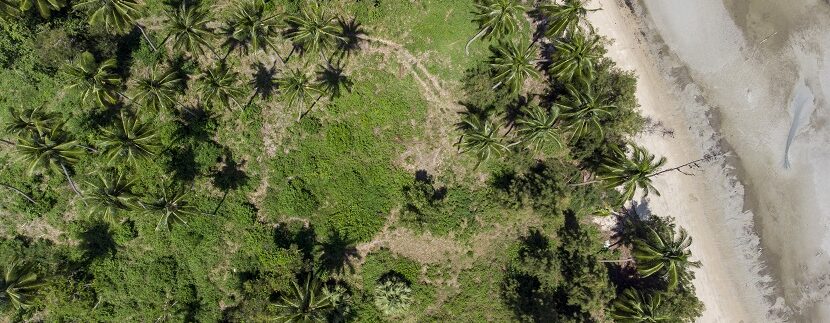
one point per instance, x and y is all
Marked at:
(762, 68)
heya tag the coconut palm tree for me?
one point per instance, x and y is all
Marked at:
(50, 149)
(157, 91)
(513, 63)
(171, 206)
(116, 16)
(43, 7)
(218, 85)
(187, 27)
(96, 81)
(631, 172)
(9, 9)
(583, 111)
(252, 27)
(634, 306)
(311, 302)
(129, 140)
(665, 254)
(538, 129)
(333, 81)
(20, 284)
(110, 195)
(30, 120)
(480, 137)
(298, 88)
(393, 295)
(563, 19)
(575, 59)
(496, 19)
(313, 29)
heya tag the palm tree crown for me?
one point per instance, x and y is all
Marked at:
(30, 120)
(9, 9)
(634, 306)
(563, 18)
(171, 206)
(218, 85)
(49, 149)
(664, 253)
(111, 194)
(20, 284)
(513, 64)
(631, 173)
(576, 58)
(313, 29)
(96, 81)
(116, 16)
(583, 111)
(496, 19)
(252, 26)
(310, 302)
(538, 129)
(480, 137)
(298, 88)
(187, 26)
(44, 7)
(158, 90)
(129, 140)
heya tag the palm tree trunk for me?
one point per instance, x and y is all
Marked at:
(146, 38)
(26, 196)
(618, 260)
(693, 163)
(71, 182)
(7, 142)
(586, 183)
(310, 107)
(467, 47)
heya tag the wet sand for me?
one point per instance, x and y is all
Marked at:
(749, 77)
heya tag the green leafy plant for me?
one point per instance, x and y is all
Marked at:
(116, 16)
(564, 19)
(9, 9)
(576, 59)
(253, 27)
(171, 206)
(538, 129)
(583, 112)
(219, 85)
(631, 172)
(664, 253)
(157, 91)
(96, 81)
(313, 29)
(29, 120)
(110, 195)
(43, 7)
(298, 88)
(187, 27)
(50, 149)
(635, 306)
(480, 137)
(309, 302)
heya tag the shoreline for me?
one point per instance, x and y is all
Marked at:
(662, 86)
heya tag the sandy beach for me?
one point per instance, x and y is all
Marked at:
(744, 78)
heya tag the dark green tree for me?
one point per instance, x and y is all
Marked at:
(110, 195)
(313, 29)
(29, 120)
(157, 91)
(219, 85)
(576, 58)
(171, 206)
(634, 306)
(252, 27)
(481, 138)
(50, 149)
(664, 253)
(538, 129)
(298, 88)
(632, 172)
(496, 19)
(187, 27)
(116, 16)
(310, 302)
(583, 112)
(96, 81)
(564, 19)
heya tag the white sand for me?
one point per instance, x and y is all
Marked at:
(727, 282)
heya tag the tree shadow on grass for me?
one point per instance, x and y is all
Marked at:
(229, 177)
(335, 253)
(97, 241)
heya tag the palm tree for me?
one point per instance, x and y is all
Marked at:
(50, 149)
(393, 296)
(158, 90)
(480, 137)
(187, 26)
(171, 206)
(116, 16)
(564, 18)
(313, 29)
(219, 85)
(9, 9)
(513, 64)
(538, 129)
(496, 19)
(44, 7)
(311, 302)
(29, 120)
(631, 173)
(634, 306)
(110, 195)
(20, 285)
(576, 59)
(129, 140)
(583, 111)
(333, 81)
(252, 26)
(665, 254)
(298, 88)
(96, 81)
